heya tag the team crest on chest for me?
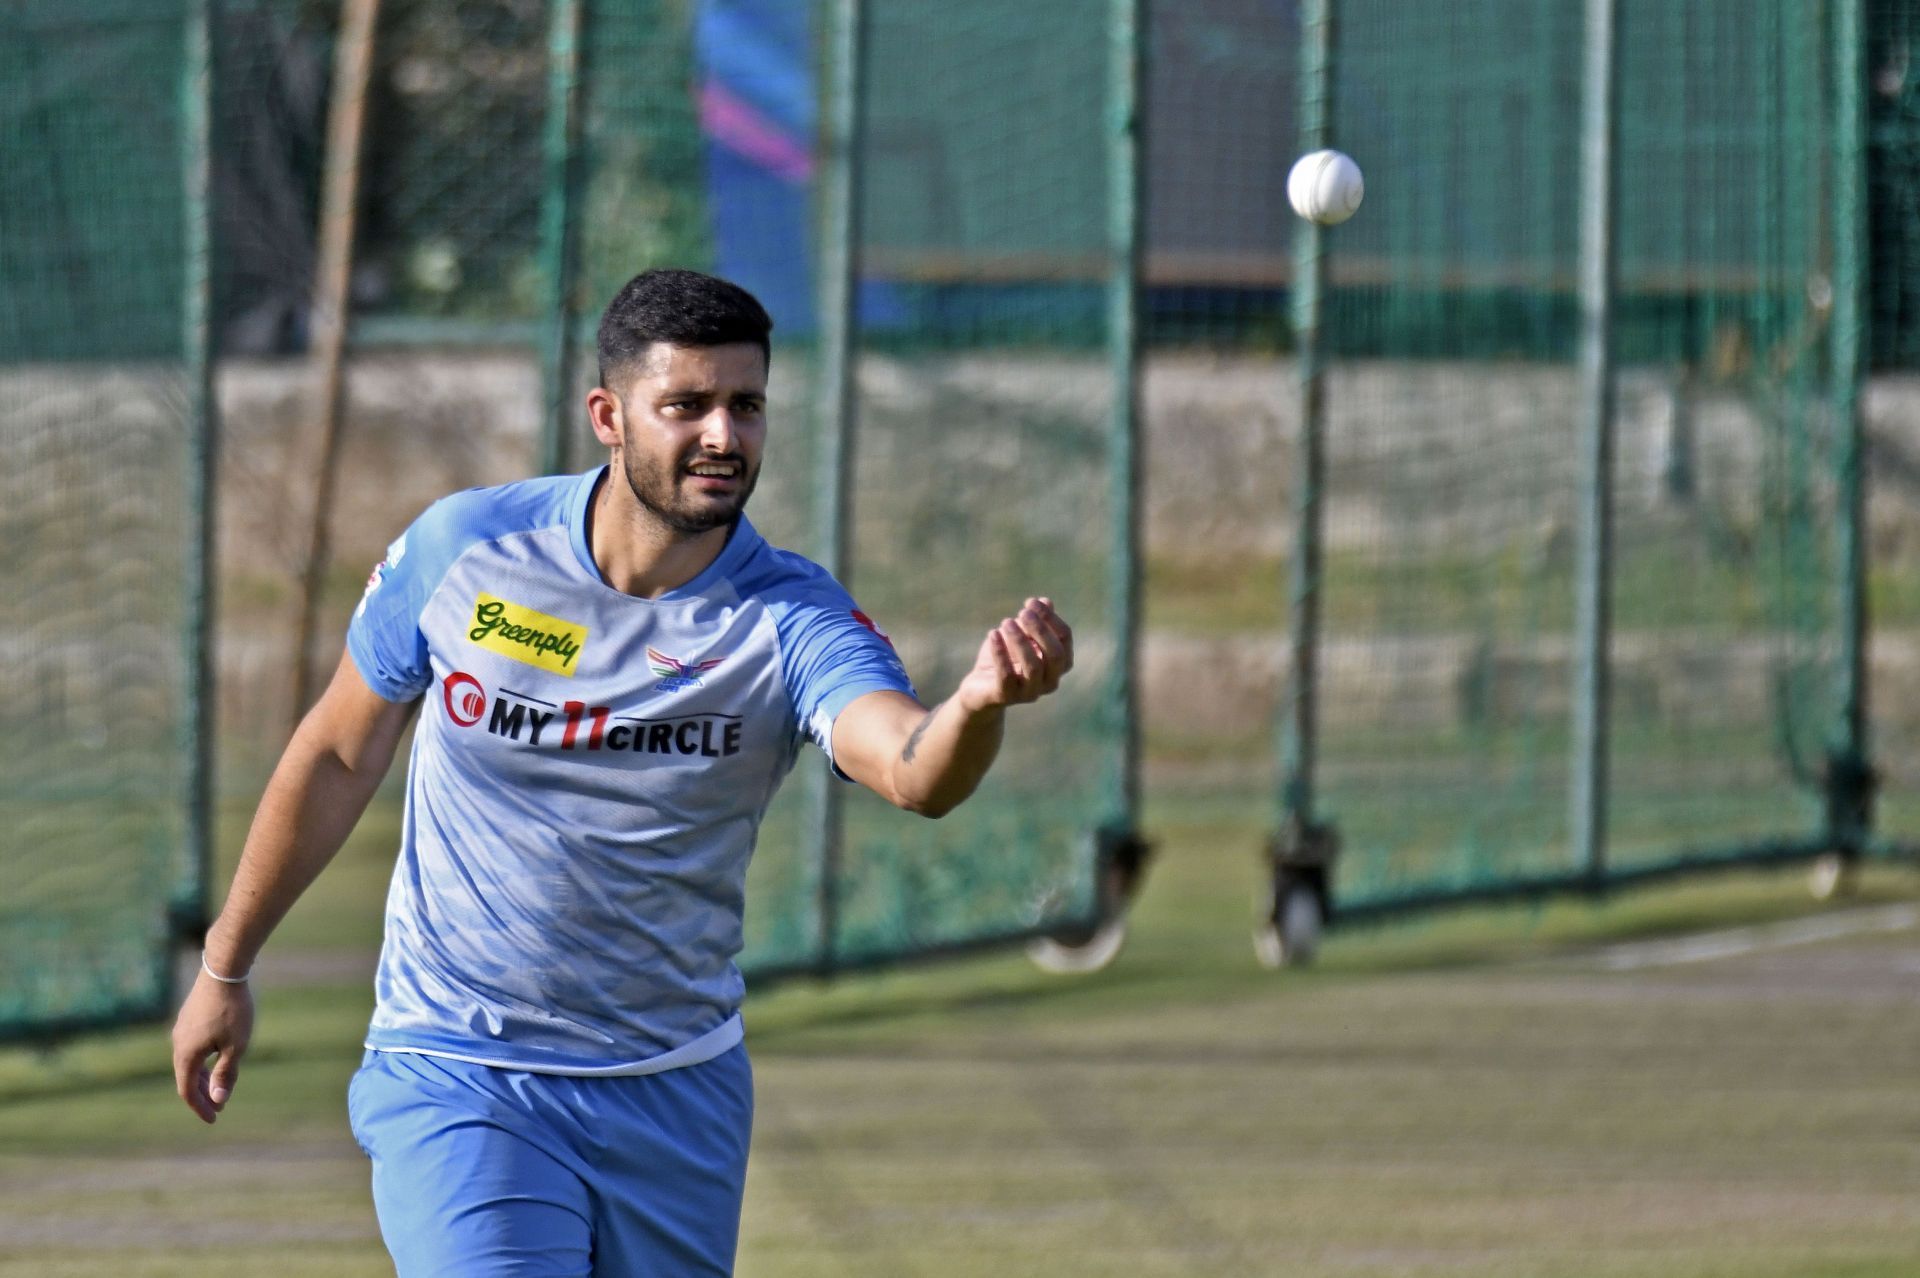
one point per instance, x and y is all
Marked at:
(676, 674)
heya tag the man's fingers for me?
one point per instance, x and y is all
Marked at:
(1031, 652)
(226, 1072)
(201, 1100)
(1054, 657)
(1002, 659)
(190, 1080)
(1056, 623)
(1020, 654)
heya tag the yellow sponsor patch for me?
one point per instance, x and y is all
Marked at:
(526, 635)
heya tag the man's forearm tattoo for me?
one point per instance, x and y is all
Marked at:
(920, 730)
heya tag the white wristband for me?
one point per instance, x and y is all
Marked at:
(224, 980)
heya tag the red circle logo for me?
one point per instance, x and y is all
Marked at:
(466, 699)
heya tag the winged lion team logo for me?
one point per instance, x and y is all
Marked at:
(675, 673)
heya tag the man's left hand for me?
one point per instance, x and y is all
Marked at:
(1022, 659)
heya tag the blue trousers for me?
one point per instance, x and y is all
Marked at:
(481, 1172)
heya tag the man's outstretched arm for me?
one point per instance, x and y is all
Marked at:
(322, 784)
(928, 761)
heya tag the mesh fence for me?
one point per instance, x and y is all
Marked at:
(94, 512)
(1727, 573)
(983, 453)
(1452, 467)
(1452, 535)
(452, 177)
(982, 469)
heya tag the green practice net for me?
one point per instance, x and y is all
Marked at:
(1726, 578)
(1454, 489)
(94, 440)
(982, 466)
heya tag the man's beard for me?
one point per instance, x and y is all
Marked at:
(658, 492)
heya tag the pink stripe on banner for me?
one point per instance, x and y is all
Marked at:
(736, 125)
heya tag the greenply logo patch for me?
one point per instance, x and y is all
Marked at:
(525, 635)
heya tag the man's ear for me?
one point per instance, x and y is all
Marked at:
(607, 414)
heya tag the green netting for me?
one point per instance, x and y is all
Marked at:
(453, 159)
(985, 394)
(95, 433)
(1726, 573)
(981, 474)
(454, 169)
(90, 193)
(1454, 435)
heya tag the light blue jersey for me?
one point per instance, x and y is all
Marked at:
(588, 778)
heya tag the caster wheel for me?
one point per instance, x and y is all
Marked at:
(1081, 950)
(1290, 936)
(1079, 954)
(1832, 876)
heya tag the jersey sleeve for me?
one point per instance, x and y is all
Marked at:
(384, 637)
(830, 654)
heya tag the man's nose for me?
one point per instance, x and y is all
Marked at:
(718, 436)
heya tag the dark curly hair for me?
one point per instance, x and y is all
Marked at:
(680, 308)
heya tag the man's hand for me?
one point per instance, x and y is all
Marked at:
(928, 761)
(1022, 660)
(215, 1021)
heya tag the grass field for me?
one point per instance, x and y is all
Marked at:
(1476, 1094)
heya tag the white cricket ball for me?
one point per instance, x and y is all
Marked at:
(1325, 187)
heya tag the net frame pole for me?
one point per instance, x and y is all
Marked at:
(332, 318)
(1300, 718)
(1126, 109)
(1850, 776)
(189, 907)
(560, 232)
(835, 397)
(1593, 598)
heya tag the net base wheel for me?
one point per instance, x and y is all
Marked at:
(1833, 875)
(1289, 935)
(1120, 866)
(1299, 895)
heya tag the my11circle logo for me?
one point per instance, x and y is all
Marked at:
(518, 717)
(466, 700)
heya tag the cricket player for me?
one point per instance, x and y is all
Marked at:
(613, 673)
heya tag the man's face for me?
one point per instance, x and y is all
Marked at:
(694, 419)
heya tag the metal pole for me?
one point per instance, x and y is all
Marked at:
(834, 407)
(332, 315)
(1593, 603)
(559, 235)
(189, 907)
(1850, 773)
(1299, 729)
(1126, 113)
